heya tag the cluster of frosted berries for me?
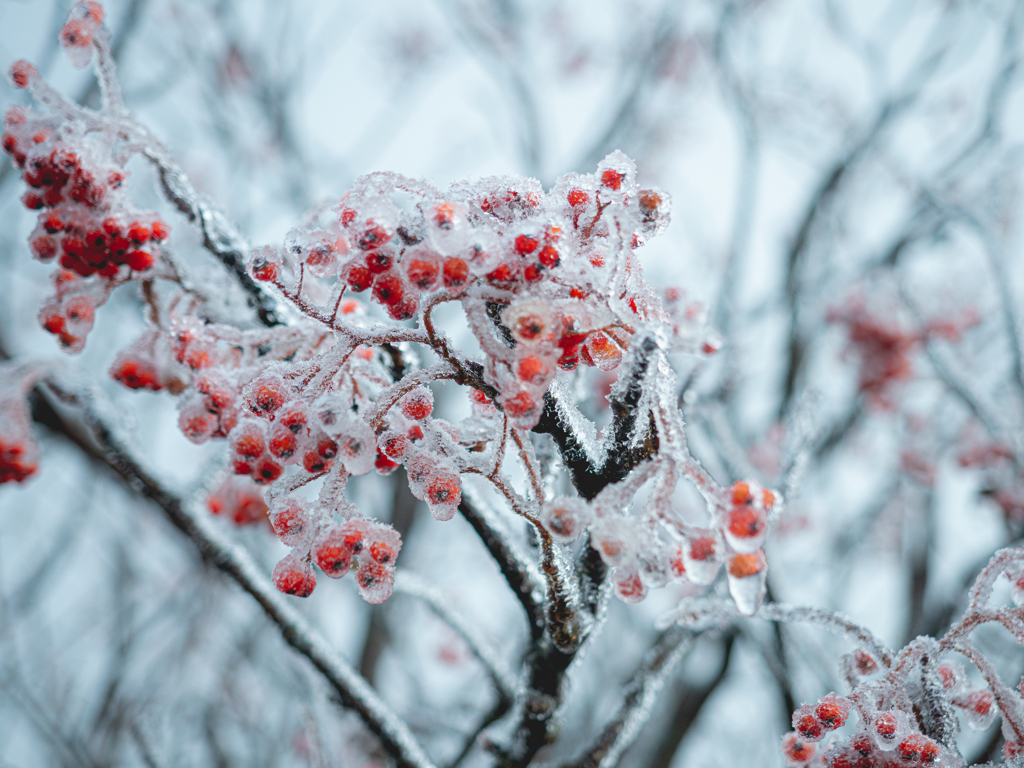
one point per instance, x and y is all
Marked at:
(426, 447)
(145, 364)
(642, 561)
(86, 222)
(239, 500)
(548, 280)
(19, 453)
(885, 737)
(357, 544)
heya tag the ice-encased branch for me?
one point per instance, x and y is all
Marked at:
(352, 690)
(409, 583)
(635, 710)
(514, 568)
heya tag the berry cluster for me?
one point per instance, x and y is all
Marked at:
(548, 280)
(675, 551)
(885, 347)
(19, 453)
(86, 222)
(427, 448)
(367, 547)
(239, 500)
(886, 736)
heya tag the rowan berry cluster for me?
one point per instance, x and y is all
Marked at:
(86, 221)
(19, 453)
(555, 272)
(239, 500)
(651, 548)
(887, 735)
(358, 544)
(885, 346)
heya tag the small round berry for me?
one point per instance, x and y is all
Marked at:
(140, 261)
(524, 245)
(797, 751)
(577, 197)
(294, 577)
(747, 564)
(443, 496)
(22, 73)
(160, 231)
(455, 273)
(806, 724)
(393, 445)
(916, 748)
(832, 711)
(289, 517)
(417, 404)
(388, 289)
(266, 394)
(422, 272)
(886, 725)
(611, 179)
(266, 471)
(548, 256)
(358, 277)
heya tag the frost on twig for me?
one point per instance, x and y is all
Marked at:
(408, 583)
(638, 701)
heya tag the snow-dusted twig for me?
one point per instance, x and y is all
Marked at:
(411, 584)
(638, 701)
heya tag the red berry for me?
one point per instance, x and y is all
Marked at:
(267, 471)
(531, 368)
(388, 289)
(384, 465)
(32, 201)
(797, 751)
(21, 74)
(373, 236)
(611, 179)
(525, 244)
(264, 269)
(333, 550)
(533, 273)
(418, 404)
(282, 443)
(382, 552)
(747, 564)
(886, 725)
(806, 724)
(267, 394)
(456, 273)
(44, 248)
(548, 256)
(746, 522)
(160, 231)
(917, 748)
(359, 278)
(140, 261)
(422, 273)
(138, 232)
(289, 519)
(832, 711)
(294, 577)
(577, 197)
